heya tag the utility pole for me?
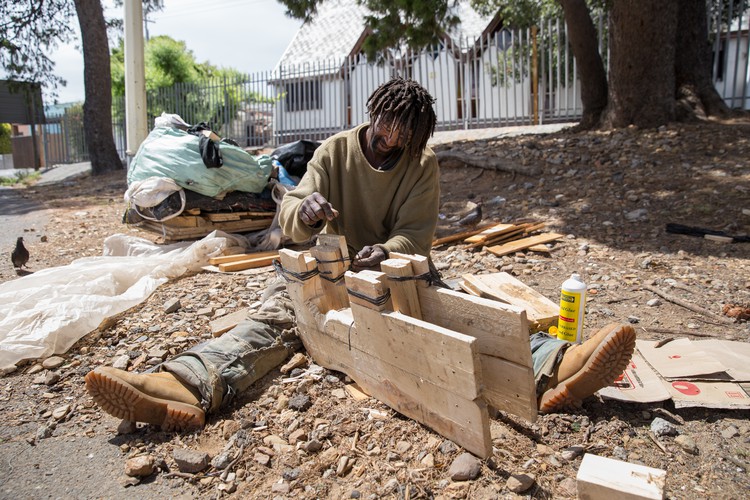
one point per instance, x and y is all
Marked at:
(135, 79)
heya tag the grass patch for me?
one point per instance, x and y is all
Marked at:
(22, 177)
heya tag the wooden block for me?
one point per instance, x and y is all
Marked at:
(403, 292)
(227, 322)
(514, 246)
(459, 236)
(252, 263)
(541, 312)
(356, 392)
(370, 284)
(220, 217)
(332, 269)
(600, 477)
(540, 248)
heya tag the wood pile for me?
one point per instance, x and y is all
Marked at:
(194, 224)
(503, 239)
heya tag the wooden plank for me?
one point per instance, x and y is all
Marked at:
(509, 386)
(541, 312)
(452, 415)
(225, 259)
(227, 322)
(459, 236)
(523, 243)
(420, 265)
(500, 329)
(183, 221)
(403, 293)
(221, 217)
(601, 477)
(418, 348)
(495, 230)
(253, 263)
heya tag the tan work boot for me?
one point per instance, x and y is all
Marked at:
(586, 368)
(153, 398)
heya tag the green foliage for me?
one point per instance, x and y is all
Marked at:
(5, 145)
(25, 177)
(177, 83)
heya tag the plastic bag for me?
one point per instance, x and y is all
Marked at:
(47, 312)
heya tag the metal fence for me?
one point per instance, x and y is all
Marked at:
(512, 77)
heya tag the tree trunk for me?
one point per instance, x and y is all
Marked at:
(696, 94)
(642, 63)
(583, 41)
(97, 108)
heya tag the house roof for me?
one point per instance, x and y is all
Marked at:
(338, 29)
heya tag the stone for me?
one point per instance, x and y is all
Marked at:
(222, 460)
(36, 368)
(428, 460)
(465, 467)
(141, 466)
(661, 427)
(571, 453)
(686, 443)
(60, 412)
(447, 447)
(300, 402)
(298, 436)
(229, 428)
(121, 362)
(172, 305)
(51, 378)
(567, 487)
(730, 432)
(53, 362)
(518, 483)
(126, 427)
(312, 446)
(262, 458)
(190, 461)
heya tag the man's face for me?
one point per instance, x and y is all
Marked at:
(387, 138)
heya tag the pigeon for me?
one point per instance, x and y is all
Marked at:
(472, 218)
(19, 256)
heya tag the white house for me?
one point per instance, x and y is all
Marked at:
(324, 78)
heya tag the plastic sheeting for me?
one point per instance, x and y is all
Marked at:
(45, 313)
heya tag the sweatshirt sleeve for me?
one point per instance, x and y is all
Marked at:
(315, 179)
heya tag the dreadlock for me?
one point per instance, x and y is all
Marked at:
(408, 106)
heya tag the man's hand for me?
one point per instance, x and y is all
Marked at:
(369, 257)
(316, 208)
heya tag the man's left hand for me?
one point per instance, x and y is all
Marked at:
(369, 257)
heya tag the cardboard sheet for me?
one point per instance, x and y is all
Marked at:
(682, 359)
(639, 383)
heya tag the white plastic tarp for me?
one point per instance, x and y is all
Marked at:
(46, 312)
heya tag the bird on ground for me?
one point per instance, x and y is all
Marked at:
(19, 256)
(472, 218)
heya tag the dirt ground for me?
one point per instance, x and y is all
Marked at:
(610, 193)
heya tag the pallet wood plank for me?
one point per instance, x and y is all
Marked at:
(541, 312)
(509, 386)
(252, 263)
(514, 246)
(225, 259)
(403, 293)
(601, 477)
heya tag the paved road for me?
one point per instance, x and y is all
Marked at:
(21, 216)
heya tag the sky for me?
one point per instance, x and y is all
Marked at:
(247, 35)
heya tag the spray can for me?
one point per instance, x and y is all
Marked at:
(572, 309)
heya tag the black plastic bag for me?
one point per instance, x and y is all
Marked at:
(295, 155)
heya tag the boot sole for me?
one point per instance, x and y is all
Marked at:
(603, 367)
(122, 400)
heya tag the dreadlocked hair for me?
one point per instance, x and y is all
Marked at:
(408, 106)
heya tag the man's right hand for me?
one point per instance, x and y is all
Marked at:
(316, 208)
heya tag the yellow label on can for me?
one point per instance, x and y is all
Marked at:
(569, 324)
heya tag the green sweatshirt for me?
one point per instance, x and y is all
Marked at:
(396, 209)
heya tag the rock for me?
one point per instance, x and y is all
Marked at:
(730, 432)
(291, 474)
(44, 431)
(229, 428)
(312, 446)
(465, 467)
(121, 362)
(222, 460)
(141, 466)
(280, 487)
(229, 487)
(190, 461)
(51, 378)
(262, 458)
(36, 368)
(518, 483)
(60, 412)
(428, 460)
(298, 436)
(172, 305)
(653, 303)
(53, 362)
(297, 360)
(447, 447)
(126, 427)
(571, 453)
(687, 443)
(567, 487)
(402, 447)
(343, 466)
(300, 402)
(661, 427)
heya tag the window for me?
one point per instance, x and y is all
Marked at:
(303, 96)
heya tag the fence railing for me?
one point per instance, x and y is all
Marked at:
(512, 77)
